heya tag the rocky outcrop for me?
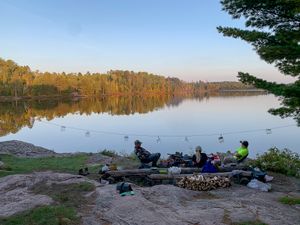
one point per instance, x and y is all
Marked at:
(16, 193)
(167, 204)
(161, 204)
(23, 149)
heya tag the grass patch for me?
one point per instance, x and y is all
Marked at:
(289, 200)
(68, 164)
(71, 195)
(18, 165)
(50, 215)
(85, 186)
(68, 198)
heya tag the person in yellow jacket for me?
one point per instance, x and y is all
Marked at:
(242, 152)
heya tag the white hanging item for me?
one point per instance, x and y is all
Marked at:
(87, 134)
(268, 131)
(158, 139)
(221, 139)
(62, 128)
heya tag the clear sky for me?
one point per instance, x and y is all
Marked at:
(167, 37)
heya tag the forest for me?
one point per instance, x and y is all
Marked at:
(20, 81)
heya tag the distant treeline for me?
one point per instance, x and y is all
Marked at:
(21, 81)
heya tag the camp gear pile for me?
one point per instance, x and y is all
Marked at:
(177, 159)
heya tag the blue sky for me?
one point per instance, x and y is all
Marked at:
(167, 37)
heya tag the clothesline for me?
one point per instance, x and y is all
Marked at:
(158, 136)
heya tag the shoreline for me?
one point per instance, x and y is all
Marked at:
(75, 97)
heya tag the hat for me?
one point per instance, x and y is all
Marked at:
(198, 148)
(245, 143)
(137, 142)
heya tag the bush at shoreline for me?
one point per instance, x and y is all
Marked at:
(280, 161)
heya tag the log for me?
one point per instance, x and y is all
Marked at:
(156, 175)
(144, 172)
(226, 168)
(133, 172)
(167, 176)
(179, 176)
(189, 170)
(232, 166)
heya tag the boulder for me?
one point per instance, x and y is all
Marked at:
(23, 149)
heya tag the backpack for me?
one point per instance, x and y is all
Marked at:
(209, 168)
(123, 187)
(258, 174)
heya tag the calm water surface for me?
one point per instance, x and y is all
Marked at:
(181, 124)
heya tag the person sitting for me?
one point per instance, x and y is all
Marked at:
(238, 156)
(242, 152)
(199, 158)
(145, 156)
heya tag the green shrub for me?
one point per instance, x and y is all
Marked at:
(69, 195)
(109, 153)
(133, 156)
(280, 161)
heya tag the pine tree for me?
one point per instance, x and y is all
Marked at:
(273, 31)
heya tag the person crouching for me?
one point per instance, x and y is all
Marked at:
(145, 156)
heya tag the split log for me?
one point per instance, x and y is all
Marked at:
(202, 183)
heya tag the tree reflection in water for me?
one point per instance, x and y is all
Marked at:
(15, 115)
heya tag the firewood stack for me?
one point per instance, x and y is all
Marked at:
(201, 183)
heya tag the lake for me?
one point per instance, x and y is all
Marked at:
(164, 124)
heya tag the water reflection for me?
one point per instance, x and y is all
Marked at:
(104, 123)
(18, 114)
